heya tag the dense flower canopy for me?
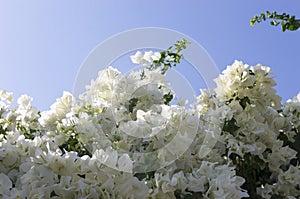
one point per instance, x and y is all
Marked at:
(236, 141)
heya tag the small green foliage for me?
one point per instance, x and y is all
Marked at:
(72, 144)
(90, 110)
(230, 126)
(132, 103)
(117, 138)
(2, 131)
(250, 167)
(244, 101)
(170, 57)
(29, 133)
(283, 137)
(168, 98)
(148, 175)
(287, 22)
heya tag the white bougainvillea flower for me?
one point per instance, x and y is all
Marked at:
(121, 139)
(125, 163)
(5, 184)
(145, 59)
(137, 58)
(6, 96)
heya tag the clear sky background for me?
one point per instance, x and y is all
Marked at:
(43, 43)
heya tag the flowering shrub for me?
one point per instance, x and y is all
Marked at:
(237, 141)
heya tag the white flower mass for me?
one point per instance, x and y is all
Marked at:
(121, 139)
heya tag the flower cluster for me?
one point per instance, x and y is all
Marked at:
(259, 138)
(123, 138)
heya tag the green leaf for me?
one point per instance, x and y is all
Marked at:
(244, 101)
(172, 51)
(263, 16)
(288, 22)
(168, 98)
(283, 28)
(291, 27)
(230, 126)
(132, 103)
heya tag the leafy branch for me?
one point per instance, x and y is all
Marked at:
(286, 21)
(170, 57)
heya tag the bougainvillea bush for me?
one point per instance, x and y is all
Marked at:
(236, 141)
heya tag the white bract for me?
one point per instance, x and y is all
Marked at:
(123, 139)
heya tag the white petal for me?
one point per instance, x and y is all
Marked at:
(125, 163)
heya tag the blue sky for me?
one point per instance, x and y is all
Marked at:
(44, 43)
